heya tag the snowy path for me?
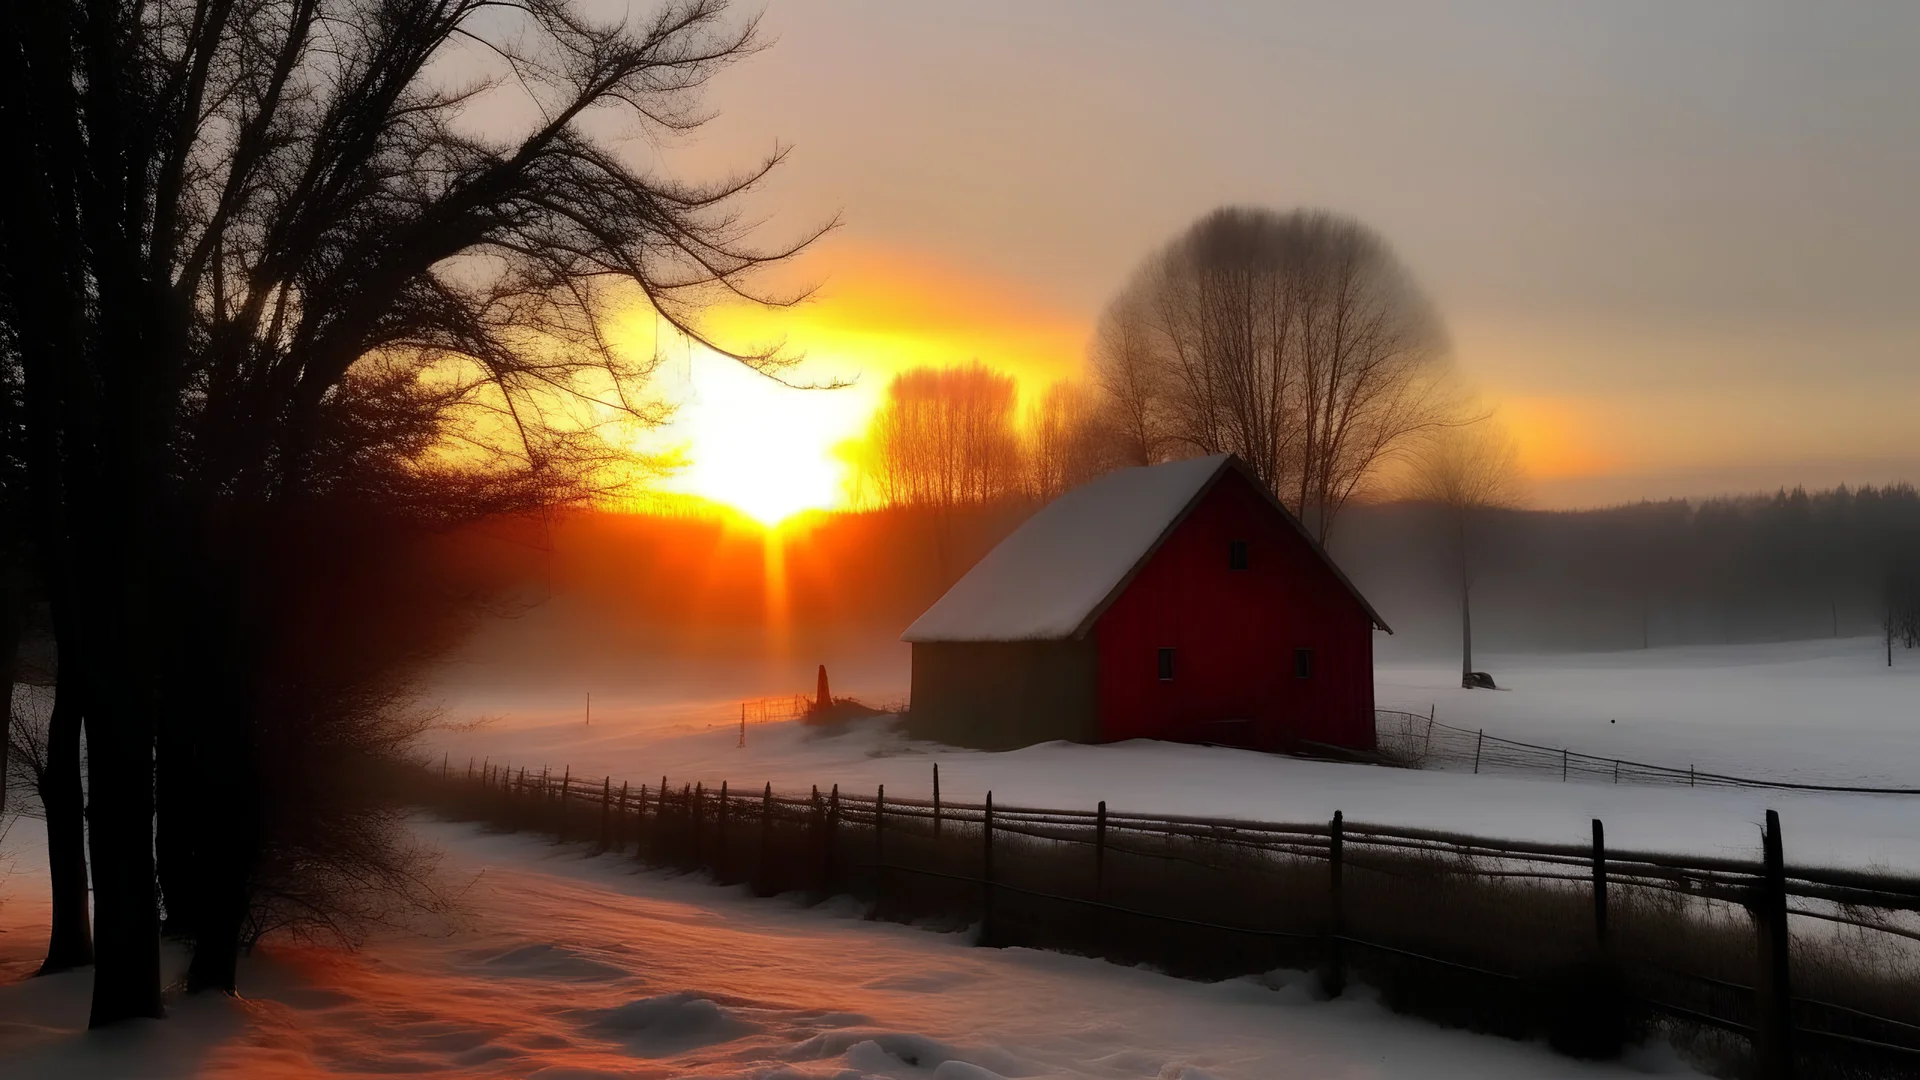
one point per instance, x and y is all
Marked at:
(579, 968)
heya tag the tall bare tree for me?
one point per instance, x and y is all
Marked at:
(1066, 444)
(945, 438)
(1466, 471)
(1128, 374)
(252, 247)
(1297, 341)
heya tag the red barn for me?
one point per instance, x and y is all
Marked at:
(1177, 601)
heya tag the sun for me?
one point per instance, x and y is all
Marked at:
(762, 448)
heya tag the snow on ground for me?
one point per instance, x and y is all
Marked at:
(1804, 711)
(586, 968)
(1823, 711)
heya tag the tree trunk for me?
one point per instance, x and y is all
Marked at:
(13, 609)
(70, 942)
(126, 918)
(120, 744)
(1466, 612)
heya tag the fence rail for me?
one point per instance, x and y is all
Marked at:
(1494, 933)
(1421, 741)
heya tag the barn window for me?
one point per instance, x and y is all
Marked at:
(1236, 554)
(1166, 665)
(1302, 663)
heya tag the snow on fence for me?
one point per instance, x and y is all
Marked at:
(1417, 740)
(1756, 963)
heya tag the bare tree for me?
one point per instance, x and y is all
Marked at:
(945, 438)
(253, 248)
(1296, 341)
(1127, 371)
(1065, 445)
(1466, 471)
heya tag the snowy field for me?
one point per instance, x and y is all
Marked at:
(582, 968)
(1806, 711)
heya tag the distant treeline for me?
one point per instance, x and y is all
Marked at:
(1756, 568)
(1791, 565)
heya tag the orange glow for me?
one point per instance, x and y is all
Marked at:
(1554, 438)
(771, 451)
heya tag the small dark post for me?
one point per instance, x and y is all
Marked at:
(443, 765)
(566, 785)
(936, 800)
(1599, 883)
(1563, 766)
(1334, 979)
(1481, 738)
(1690, 778)
(1773, 1033)
(986, 873)
(1616, 770)
(469, 768)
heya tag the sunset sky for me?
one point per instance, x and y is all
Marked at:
(1675, 245)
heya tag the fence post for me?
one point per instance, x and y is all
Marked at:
(1563, 766)
(1599, 883)
(986, 873)
(566, 785)
(620, 821)
(1100, 852)
(606, 814)
(1100, 875)
(469, 768)
(720, 836)
(697, 848)
(1482, 737)
(1334, 978)
(879, 845)
(832, 837)
(1616, 770)
(1690, 778)
(1773, 1030)
(936, 800)
(639, 825)
(761, 884)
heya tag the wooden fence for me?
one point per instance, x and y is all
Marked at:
(1413, 739)
(1757, 966)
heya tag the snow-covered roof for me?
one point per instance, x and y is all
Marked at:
(1049, 578)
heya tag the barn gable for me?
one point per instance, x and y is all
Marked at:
(1054, 575)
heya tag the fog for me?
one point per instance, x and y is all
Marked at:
(654, 613)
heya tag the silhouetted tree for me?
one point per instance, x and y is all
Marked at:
(945, 438)
(1466, 471)
(1295, 340)
(252, 249)
(1065, 444)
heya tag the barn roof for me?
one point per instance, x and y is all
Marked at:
(1058, 571)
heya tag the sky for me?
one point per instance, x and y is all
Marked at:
(1674, 245)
